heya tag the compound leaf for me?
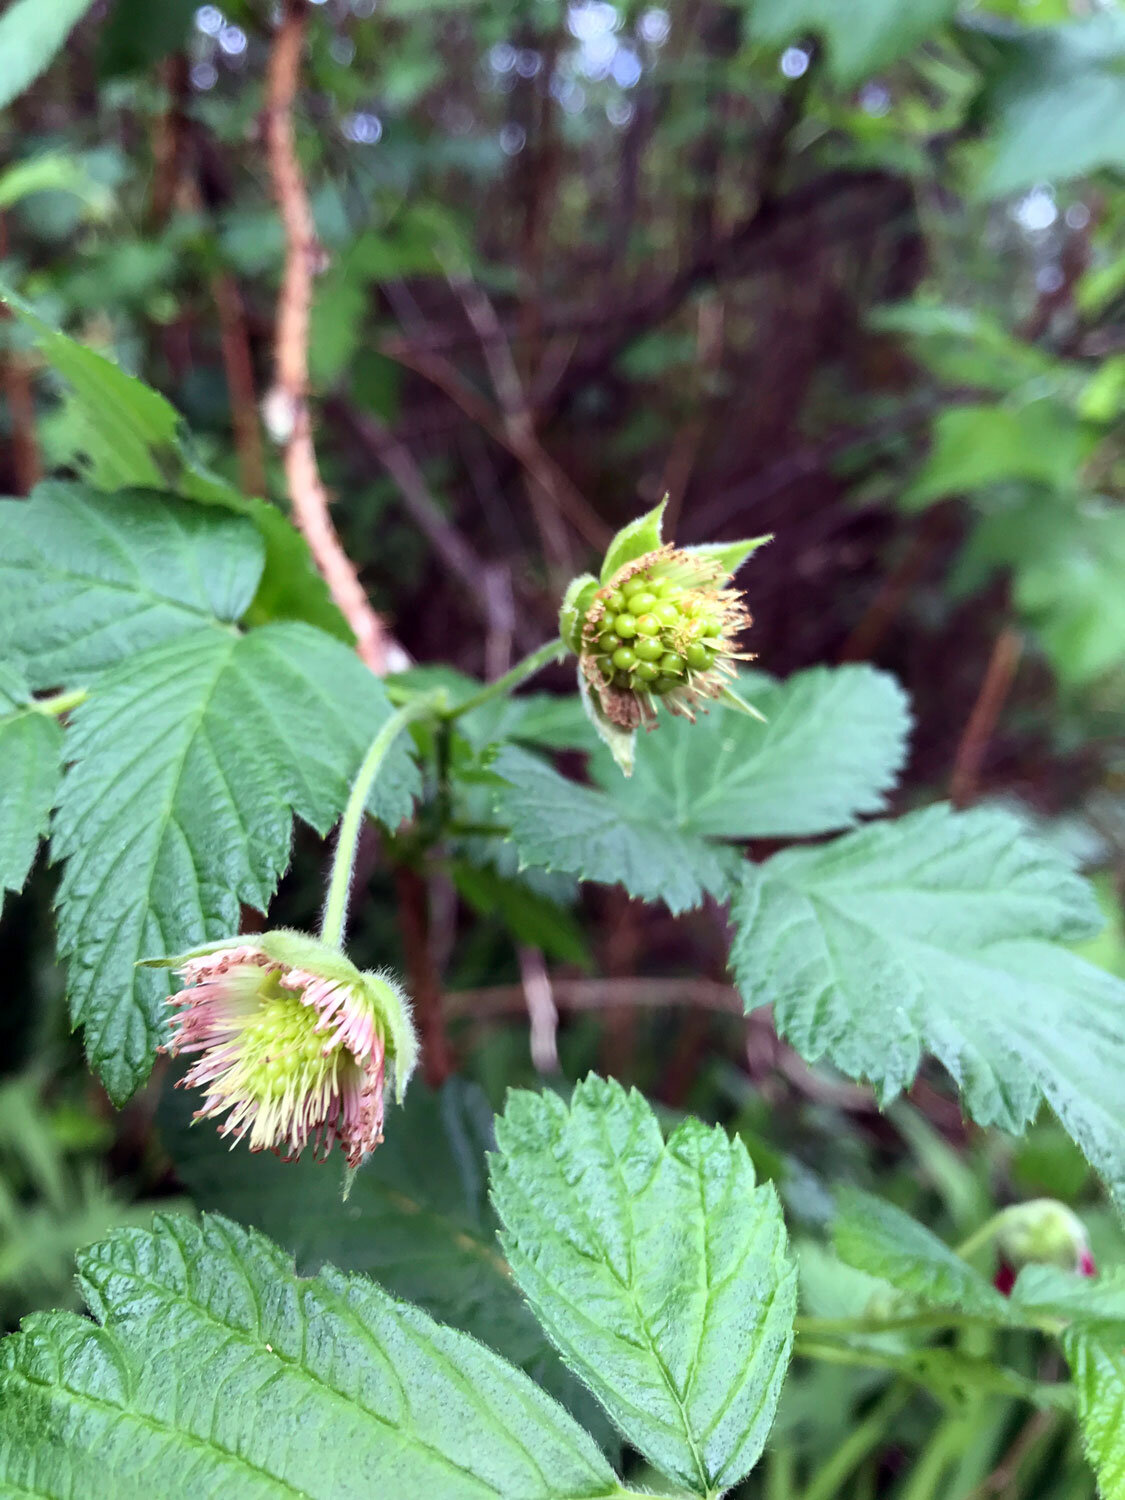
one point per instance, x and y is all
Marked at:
(417, 1220)
(556, 823)
(832, 746)
(120, 434)
(189, 762)
(211, 1368)
(658, 1268)
(942, 932)
(89, 579)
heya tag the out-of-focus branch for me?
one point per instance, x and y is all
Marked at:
(548, 498)
(998, 678)
(287, 404)
(779, 227)
(20, 396)
(422, 973)
(446, 378)
(489, 585)
(238, 367)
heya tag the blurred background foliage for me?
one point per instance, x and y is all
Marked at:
(853, 273)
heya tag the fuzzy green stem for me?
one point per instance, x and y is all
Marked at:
(858, 1444)
(553, 651)
(343, 861)
(60, 703)
(980, 1237)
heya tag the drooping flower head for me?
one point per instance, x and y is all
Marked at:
(1041, 1232)
(660, 627)
(292, 1044)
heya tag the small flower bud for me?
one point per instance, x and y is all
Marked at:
(660, 627)
(1044, 1233)
(291, 1042)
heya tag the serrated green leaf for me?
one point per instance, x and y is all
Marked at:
(1097, 1366)
(940, 932)
(659, 1269)
(31, 34)
(88, 579)
(211, 1368)
(417, 1220)
(633, 541)
(863, 36)
(125, 436)
(189, 762)
(878, 1238)
(30, 763)
(556, 823)
(832, 746)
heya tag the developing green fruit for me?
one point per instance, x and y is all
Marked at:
(658, 625)
(664, 628)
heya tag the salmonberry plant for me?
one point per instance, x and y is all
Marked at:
(595, 1283)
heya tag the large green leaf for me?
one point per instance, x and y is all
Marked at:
(556, 823)
(941, 932)
(212, 1369)
(30, 761)
(417, 1219)
(658, 1268)
(832, 745)
(122, 435)
(862, 35)
(188, 764)
(1054, 99)
(88, 579)
(31, 34)
(1097, 1364)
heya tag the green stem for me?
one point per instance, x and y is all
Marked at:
(60, 703)
(844, 1327)
(980, 1237)
(947, 1442)
(553, 651)
(343, 861)
(780, 1473)
(858, 1444)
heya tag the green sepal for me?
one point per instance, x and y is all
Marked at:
(740, 705)
(635, 540)
(730, 555)
(576, 603)
(620, 742)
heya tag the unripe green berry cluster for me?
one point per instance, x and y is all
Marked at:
(655, 634)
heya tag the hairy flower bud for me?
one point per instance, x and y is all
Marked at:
(291, 1042)
(1043, 1233)
(660, 627)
